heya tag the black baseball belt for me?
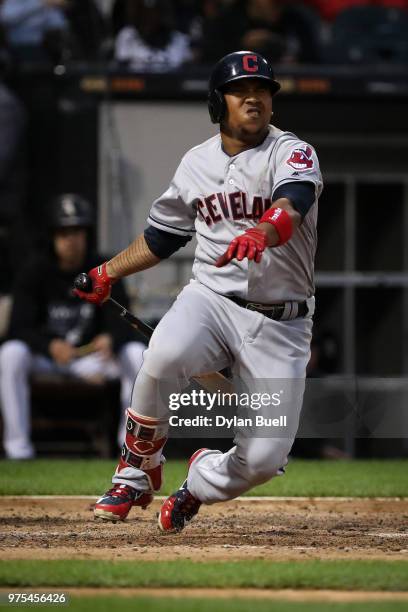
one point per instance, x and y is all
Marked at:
(285, 311)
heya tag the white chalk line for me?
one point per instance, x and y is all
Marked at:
(396, 534)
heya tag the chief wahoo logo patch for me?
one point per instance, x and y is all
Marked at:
(301, 159)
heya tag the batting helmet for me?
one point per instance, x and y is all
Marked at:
(234, 66)
(71, 210)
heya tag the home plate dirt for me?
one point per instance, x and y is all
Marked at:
(276, 529)
(282, 529)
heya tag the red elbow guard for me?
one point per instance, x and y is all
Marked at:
(282, 222)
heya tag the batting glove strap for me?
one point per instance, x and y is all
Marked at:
(282, 222)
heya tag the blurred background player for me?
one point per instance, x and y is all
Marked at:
(59, 30)
(27, 23)
(280, 31)
(147, 36)
(51, 331)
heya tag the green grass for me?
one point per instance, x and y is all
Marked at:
(311, 574)
(388, 478)
(156, 604)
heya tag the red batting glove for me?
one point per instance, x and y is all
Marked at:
(101, 286)
(251, 244)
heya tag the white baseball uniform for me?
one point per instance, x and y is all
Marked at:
(217, 197)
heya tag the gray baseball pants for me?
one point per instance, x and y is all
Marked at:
(206, 332)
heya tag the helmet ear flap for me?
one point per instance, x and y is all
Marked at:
(216, 105)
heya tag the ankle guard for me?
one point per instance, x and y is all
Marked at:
(144, 442)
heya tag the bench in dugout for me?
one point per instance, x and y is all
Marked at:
(73, 416)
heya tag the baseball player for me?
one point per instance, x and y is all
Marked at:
(249, 194)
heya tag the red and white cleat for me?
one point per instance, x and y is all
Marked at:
(181, 507)
(115, 505)
(178, 510)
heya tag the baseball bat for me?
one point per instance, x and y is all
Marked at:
(213, 381)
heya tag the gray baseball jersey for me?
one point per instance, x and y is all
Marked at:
(217, 197)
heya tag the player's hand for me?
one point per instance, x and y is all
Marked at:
(101, 286)
(103, 345)
(61, 351)
(250, 244)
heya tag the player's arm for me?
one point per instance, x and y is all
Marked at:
(171, 226)
(291, 202)
(279, 230)
(135, 258)
(144, 252)
(147, 250)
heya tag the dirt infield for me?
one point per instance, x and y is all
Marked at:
(57, 528)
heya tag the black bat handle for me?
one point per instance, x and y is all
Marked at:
(83, 282)
(143, 328)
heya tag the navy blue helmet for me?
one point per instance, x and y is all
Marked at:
(234, 66)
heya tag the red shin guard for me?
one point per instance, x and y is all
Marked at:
(144, 442)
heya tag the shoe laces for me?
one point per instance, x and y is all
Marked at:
(121, 490)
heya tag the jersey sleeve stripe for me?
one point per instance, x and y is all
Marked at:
(170, 228)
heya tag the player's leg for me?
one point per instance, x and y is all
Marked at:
(16, 364)
(117, 501)
(176, 351)
(238, 327)
(125, 367)
(186, 342)
(275, 361)
(130, 358)
(268, 352)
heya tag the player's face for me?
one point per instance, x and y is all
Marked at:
(70, 244)
(249, 106)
